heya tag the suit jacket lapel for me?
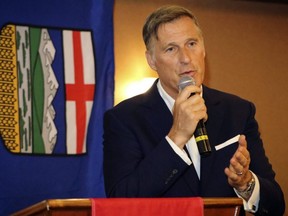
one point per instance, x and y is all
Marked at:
(160, 120)
(215, 118)
(156, 113)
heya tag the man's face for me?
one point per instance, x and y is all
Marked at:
(178, 51)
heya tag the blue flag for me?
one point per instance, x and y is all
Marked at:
(56, 82)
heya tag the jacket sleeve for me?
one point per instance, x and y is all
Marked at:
(271, 195)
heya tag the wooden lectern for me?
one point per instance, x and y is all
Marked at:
(82, 207)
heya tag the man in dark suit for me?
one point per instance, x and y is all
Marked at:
(149, 146)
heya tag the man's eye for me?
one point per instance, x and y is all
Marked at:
(170, 49)
(192, 43)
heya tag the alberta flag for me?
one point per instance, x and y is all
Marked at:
(56, 81)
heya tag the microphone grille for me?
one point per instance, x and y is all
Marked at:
(185, 81)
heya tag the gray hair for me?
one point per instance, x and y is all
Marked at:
(162, 15)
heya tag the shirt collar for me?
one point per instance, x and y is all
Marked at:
(167, 98)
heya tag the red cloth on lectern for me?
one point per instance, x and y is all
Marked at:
(147, 206)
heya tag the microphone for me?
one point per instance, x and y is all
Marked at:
(200, 133)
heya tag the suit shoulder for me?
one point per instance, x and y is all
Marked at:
(218, 95)
(148, 99)
(128, 106)
(228, 100)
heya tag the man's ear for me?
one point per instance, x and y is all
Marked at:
(150, 59)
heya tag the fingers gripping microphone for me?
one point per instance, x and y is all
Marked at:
(200, 133)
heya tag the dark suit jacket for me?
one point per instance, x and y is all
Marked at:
(139, 162)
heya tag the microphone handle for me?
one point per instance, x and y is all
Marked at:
(202, 140)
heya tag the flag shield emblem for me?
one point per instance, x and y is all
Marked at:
(47, 87)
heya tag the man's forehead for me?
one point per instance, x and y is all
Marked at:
(168, 33)
(181, 24)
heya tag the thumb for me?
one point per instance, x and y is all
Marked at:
(242, 141)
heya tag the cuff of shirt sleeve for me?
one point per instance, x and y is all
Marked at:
(179, 151)
(252, 204)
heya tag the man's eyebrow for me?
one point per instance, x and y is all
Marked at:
(193, 38)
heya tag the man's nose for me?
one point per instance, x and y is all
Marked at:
(184, 56)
